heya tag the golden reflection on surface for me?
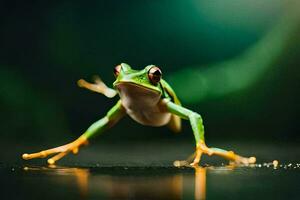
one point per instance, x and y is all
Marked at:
(200, 183)
(80, 174)
(169, 187)
(132, 185)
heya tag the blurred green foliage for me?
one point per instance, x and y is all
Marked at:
(242, 73)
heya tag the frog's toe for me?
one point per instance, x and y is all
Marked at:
(51, 161)
(180, 163)
(252, 160)
(244, 160)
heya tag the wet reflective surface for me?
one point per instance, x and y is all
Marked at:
(146, 172)
(223, 182)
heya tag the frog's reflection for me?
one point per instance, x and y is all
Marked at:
(180, 185)
(200, 183)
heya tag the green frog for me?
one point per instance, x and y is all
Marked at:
(149, 100)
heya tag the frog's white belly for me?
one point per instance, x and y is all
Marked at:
(142, 105)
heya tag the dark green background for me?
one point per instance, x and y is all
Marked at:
(47, 47)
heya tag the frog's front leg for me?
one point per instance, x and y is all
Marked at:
(99, 86)
(113, 115)
(198, 130)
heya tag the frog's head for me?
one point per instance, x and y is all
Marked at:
(145, 79)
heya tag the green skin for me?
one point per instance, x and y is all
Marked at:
(169, 111)
(165, 91)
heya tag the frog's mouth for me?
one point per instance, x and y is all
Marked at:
(137, 97)
(133, 87)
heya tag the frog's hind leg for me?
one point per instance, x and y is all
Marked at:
(198, 130)
(113, 115)
(98, 86)
(175, 123)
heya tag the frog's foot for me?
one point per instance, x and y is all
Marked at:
(194, 159)
(60, 151)
(233, 157)
(99, 86)
(203, 149)
(184, 163)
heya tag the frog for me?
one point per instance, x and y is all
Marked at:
(149, 100)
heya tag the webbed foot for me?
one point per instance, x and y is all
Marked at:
(60, 151)
(201, 149)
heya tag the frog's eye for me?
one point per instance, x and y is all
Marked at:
(154, 74)
(117, 70)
